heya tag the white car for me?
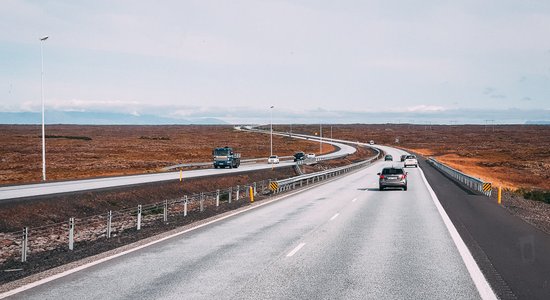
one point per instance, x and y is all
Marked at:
(310, 155)
(273, 159)
(410, 160)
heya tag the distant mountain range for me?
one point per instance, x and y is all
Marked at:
(98, 118)
(538, 122)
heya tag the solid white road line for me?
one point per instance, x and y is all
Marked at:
(354, 199)
(295, 250)
(334, 217)
(477, 276)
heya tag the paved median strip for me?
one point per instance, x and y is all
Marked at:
(291, 253)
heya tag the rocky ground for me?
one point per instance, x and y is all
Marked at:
(536, 213)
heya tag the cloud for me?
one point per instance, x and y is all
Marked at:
(425, 108)
(488, 90)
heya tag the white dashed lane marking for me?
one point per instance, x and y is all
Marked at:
(291, 253)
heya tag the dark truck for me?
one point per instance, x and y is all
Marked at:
(225, 157)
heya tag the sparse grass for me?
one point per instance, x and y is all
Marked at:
(154, 138)
(537, 195)
(69, 137)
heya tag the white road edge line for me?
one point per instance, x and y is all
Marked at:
(85, 266)
(291, 253)
(354, 199)
(334, 217)
(483, 287)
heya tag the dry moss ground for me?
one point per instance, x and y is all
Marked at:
(514, 156)
(76, 151)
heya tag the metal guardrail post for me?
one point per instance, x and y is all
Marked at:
(24, 243)
(255, 189)
(165, 211)
(71, 233)
(238, 190)
(139, 218)
(230, 192)
(201, 202)
(217, 198)
(109, 222)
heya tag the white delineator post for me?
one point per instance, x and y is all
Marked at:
(139, 218)
(71, 233)
(24, 244)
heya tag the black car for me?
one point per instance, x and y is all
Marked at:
(388, 157)
(393, 177)
(299, 156)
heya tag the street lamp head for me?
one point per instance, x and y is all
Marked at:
(272, 106)
(44, 38)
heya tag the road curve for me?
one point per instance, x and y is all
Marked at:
(48, 188)
(341, 240)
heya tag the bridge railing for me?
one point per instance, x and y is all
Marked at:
(471, 182)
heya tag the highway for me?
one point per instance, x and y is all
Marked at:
(48, 188)
(343, 239)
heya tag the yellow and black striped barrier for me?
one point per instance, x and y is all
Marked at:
(273, 185)
(487, 186)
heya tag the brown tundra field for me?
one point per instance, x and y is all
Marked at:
(514, 156)
(74, 151)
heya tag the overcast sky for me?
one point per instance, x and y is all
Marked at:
(234, 59)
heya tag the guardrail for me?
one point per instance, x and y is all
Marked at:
(278, 186)
(209, 164)
(471, 182)
(77, 232)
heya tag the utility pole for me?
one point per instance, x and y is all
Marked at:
(42, 96)
(271, 130)
(320, 139)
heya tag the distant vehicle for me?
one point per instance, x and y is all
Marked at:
(388, 157)
(392, 177)
(299, 156)
(411, 160)
(273, 159)
(225, 157)
(403, 157)
(371, 142)
(310, 155)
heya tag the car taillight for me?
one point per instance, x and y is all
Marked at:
(381, 176)
(403, 176)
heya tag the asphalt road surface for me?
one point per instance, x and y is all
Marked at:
(341, 240)
(48, 188)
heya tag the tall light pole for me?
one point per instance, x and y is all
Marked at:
(320, 139)
(271, 129)
(42, 94)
